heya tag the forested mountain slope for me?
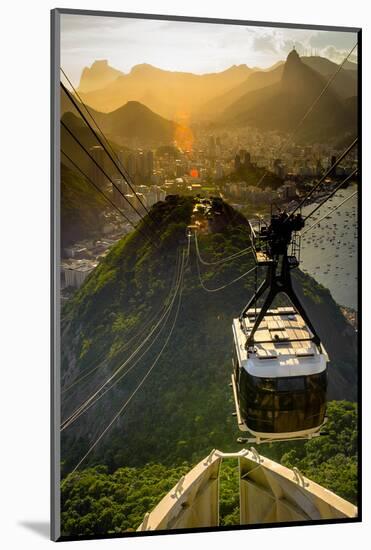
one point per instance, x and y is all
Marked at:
(184, 408)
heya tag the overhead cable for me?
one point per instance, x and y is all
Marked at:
(105, 174)
(143, 329)
(97, 136)
(126, 403)
(222, 260)
(98, 189)
(223, 286)
(329, 213)
(339, 186)
(68, 421)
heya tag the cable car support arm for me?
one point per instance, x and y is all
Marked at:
(270, 250)
(276, 283)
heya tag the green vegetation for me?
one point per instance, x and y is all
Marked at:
(82, 208)
(97, 502)
(229, 500)
(80, 130)
(184, 408)
(252, 174)
(331, 460)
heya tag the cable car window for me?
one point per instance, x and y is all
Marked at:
(266, 400)
(317, 382)
(265, 384)
(296, 383)
(283, 402)
(287, 404)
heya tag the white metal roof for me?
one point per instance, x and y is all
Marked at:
(281, 345)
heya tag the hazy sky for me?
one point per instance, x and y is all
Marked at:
(183, 46)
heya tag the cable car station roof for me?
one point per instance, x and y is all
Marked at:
(269, 493)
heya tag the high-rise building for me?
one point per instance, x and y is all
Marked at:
(161, 193)
(127, 158)
(242, 160)
(151, 196)
(237, 163)
(277, 165)
(247, 160)
(131, 202)
(132, 166)
(140, 163)
(98, 154)
(143, 165)
(149, 170)
(219, 172)
(118, 190)
(179, 169)
(212, 148)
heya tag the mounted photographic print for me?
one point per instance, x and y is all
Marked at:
(206, 203)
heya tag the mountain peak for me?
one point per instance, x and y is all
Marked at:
(133, 104)
(101, 67)
(293, 57)
(241, 67)
(133, 107)
(98, 75)
(295, 72)
(100, 63)
(143, 68)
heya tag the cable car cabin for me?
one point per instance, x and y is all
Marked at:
(280, 382)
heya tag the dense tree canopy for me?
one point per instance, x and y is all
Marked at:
(95, 501)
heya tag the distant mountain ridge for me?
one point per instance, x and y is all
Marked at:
(172, 94)
(99, 75)
(297, 89)
(255, 81)
(345, 83)
(249, 97)
(137, 122)
(179, 94)
(132, 124)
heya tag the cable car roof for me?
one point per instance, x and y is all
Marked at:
(283, 345)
